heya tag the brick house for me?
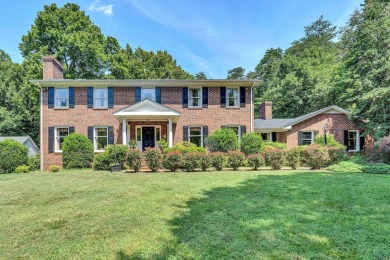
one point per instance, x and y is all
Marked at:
(146, 111)
(302, 130)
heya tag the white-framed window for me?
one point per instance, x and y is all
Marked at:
(195, 97)
(149, 93)
(266, 136)
(157, 133)
(61, 96)
(100, 98)
(236, 129)
(353, 144)
(307, 137)
(100, 137)
(195, 135)
(60, 133)
(232, 97)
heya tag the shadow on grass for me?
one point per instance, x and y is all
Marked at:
(301, 215)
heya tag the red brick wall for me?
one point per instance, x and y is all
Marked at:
(81, 117)
(265, 110)
(52, 69)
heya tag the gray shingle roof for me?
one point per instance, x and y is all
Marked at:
(271, 124)
(20, 139)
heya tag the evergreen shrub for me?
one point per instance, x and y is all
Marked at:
(77, 151)
(12, 155)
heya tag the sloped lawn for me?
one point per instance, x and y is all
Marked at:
(241, 215)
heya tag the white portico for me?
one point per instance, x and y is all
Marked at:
(140, 115)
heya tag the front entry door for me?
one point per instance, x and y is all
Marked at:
(147, 137)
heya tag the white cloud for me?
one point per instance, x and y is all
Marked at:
(97, 6)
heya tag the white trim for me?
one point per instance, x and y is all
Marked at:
(124, 131)
(312, 137)
(238, 97)
(55, 97)
(170, 134)
(357, 140)
(56, 138)
(93, 98)
(139, 143)
(95, 137)
(200, 97)
(267, 133)
(201, 134)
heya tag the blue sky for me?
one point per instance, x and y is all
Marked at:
(212, 36)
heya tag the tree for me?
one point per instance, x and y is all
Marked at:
(200, 75)
(236, 73)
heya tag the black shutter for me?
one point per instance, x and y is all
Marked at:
(51, 140)
(90, 133)
(90, 97)
(185, 133)
(346, 139)
(71, 129)
(243, 130)
(137, 94)
(273, 136)
(242, 96)
(185, 97)
(71, 97)
(300, 135)
(110, 136)
(205, 97)
(158, 94)
(223, 97)
(50, 98)
(362, 141)
(205, 134)
(110, 91)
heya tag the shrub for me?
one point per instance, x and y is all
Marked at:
(77, 151)
(185, 147)
(54, 168)
(162, 144)
(222, 141)
(134, 159)
(269, 145)
(255, 160)
(346, 166)
(120, 151)
(12, 155)
(172, 160)
(204, 161)
(293, 158)
(251, 144)
(101, 162)
(235, 159)
(330, 141)
(218, 160)
(274, 158)
(337, 154)
(153, 158)
(191, 161)
(377, 169)
(316, 156)
(22, 169)
(384, 149)
(34, 162)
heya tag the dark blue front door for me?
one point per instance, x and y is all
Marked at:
(147, 137)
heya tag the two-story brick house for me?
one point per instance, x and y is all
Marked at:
(146, 111)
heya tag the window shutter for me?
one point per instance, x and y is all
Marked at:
(185, 97)
(71, 97)
(110, 93)
(243, 130)
(300, 134)
(158, 94)
(50, 93)
(205, 134)
(51, 140)
(242, 96)
(362, 141)
(110, 137)
(90, 133)
(71, 129)
(185, 133)
(205, 97)
(346, 139)
(223, 126)
(223, 97)
(137, 94)
(273, 137)
(90, 97)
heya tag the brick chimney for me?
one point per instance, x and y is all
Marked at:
(266, 110)
(52, 68)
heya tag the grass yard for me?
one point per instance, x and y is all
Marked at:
(241, 215)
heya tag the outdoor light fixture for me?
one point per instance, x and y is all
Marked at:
(325, 128)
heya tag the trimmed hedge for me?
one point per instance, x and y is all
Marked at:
(251, 144)
(218, 160)
(34, 162)
(204, 161)
(255, 160)
(274, 158)
(134, 159)
(191, 161)
(172, 160)
(316, 156)
(153, 158)
(77, 152)
(101, 162)
(222, 140)
(185, 147)
(235, 159)
(269, 145)
(293, 158)
(12, 155)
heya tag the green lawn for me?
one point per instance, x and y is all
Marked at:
(241, 215)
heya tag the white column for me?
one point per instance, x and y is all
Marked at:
(170, 135)
(124, 132)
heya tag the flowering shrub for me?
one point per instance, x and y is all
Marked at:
(316, 156)
(235, 159)
(134, 159)
(153, 158)
(274, 158)
(191, 161)
(204, 161)
(255, 160)
(384, 149)
(293, 158)
(218, 160)
(172, 160)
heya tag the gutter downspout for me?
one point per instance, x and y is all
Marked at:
(41, 128)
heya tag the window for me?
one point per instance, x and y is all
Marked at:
(307, 138)
(101, 137)
(196, 135)
(60, 134)
(353, 140)
(61, 97)
(232, 97)
(195, 97)
(139, 134)
(237, 131)
(100, 98)
(266, 136)
(157, 132)
(149, 93)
